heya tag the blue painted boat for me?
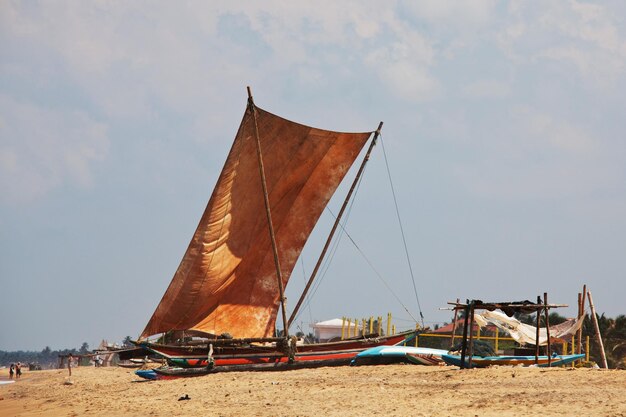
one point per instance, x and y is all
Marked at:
(483, 362)
(399, 354)
(146, 374)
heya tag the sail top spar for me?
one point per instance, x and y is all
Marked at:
(226, 281)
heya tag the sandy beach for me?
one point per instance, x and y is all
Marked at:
(401, 390)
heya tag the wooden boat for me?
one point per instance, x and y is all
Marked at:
(281, 364)
(277, 179)
(483, 362)
(304, 353)
(399, 354)
(197, 357)
(130, 365)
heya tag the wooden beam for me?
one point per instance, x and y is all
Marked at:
(598, 335)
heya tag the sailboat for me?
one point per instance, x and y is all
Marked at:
(277, 179)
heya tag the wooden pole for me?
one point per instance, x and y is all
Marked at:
(537, 333)
(471, 337)
(464, 342)
(583, 314)
(279, 274)
(343, 328)
(587, 348)
(549, 345)
(335, 225)
(597, 326)
(388, 323)
(456, 314)
(579, 332)
(497, 334)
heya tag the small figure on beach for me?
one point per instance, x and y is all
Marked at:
(69, 363)
(11, 371)
(18, 370)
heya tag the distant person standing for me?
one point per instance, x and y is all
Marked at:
(11, 371)
(69, 363)
(18, 370)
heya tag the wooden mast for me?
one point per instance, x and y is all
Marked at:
(335, 225)
(279, 274)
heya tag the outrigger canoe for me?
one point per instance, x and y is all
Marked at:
(251, 355)
(171, 372)
(483, 362)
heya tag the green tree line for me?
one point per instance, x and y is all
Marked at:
(47, 357)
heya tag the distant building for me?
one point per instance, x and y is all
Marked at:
(329, 330)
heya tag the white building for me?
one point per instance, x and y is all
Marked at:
(328, 330)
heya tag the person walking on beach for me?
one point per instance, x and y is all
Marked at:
(69, 363)
(18, 370)
(11, 371)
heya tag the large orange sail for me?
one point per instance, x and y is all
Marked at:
(226, 281)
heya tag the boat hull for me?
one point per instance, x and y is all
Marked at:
(483, 362)
(147, 374)
(196, 356)
(399, 354)
(176, 372)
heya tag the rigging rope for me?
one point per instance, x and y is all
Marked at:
(335, 245)
(406, 250)
(304, 277)
(328, 260)
(375, 270)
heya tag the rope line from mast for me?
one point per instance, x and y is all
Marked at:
(335, 245)
(333, 250)
(378, 274)
(406, 250)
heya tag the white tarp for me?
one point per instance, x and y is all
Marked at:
(526, 334)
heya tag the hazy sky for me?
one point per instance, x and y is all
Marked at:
(504, 131)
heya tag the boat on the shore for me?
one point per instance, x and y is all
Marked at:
(381, 355)
(483, 362)
(147, 374)
(346, 349)
(229, 288)
(280, 364)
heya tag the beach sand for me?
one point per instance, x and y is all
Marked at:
(391, 390)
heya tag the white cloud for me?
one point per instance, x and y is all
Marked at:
(487, 89)
(538, 156)
(543, 130)
(585, 36)
(41, 149)
(134, 63)
(461, 13)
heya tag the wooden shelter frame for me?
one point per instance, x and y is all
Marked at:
(467, 347)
